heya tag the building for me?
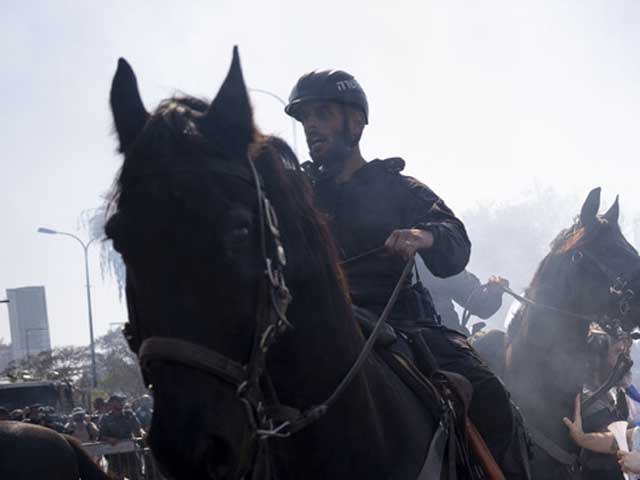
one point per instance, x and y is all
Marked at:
(28, 321)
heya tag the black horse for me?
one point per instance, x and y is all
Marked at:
(590, 275)
(32, 452)
(192, 224)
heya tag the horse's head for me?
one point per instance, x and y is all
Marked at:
(195, 231)
(606, 264)
(591, 275)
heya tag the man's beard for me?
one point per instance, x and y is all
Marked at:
(331, 162)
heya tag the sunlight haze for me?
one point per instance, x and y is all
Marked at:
(485, 101)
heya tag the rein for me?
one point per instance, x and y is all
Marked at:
(533, 303)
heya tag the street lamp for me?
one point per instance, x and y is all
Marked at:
(85, 248)
(284, 104)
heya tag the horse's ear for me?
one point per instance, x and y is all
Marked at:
(128, 110)
(229, 119)
(613, 214)
(589, 212)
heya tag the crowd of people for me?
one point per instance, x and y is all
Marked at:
(112, 421)
(589, 427)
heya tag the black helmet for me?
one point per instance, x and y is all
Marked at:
(328, 85)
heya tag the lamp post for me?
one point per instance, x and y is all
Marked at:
(284, 104)
(85, 248)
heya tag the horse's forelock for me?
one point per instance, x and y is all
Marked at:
(173, 126)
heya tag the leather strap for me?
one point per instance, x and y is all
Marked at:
(552, 448)
(193, 355)
(432, 468)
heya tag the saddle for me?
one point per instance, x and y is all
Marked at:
(407, 348)
(407, 354)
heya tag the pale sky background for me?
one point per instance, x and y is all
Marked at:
(483, 99)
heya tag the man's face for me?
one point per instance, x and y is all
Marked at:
(117, 406)
(324, 128)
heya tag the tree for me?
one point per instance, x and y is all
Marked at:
(118, 369)
(117, 366)
(66, 364)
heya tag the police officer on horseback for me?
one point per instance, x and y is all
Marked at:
(379, 218)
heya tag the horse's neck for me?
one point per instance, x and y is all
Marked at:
(555, 327)
(322, 345)
(548, 359)
(355, 438)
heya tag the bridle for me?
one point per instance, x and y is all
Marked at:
(266, 416)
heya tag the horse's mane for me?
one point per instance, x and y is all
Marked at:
(568, 239)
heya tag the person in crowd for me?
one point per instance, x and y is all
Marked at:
(603, 351)
(34, 414)
(465, 289)
(116, 426)
(144, 411)
(52, 420)
(633, 401)
(100, 408)
(4, 414)
(605, 442)
(17, 415)
(81, 426)
(380, 218)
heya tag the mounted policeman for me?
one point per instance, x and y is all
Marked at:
(380, 218)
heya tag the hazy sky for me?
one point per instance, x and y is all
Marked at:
(482, 99)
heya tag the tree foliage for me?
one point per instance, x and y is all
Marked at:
(116, 366)
(118, 370)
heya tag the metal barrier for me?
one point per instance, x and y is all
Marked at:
(127, 459)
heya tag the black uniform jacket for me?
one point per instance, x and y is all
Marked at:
(364, 211)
